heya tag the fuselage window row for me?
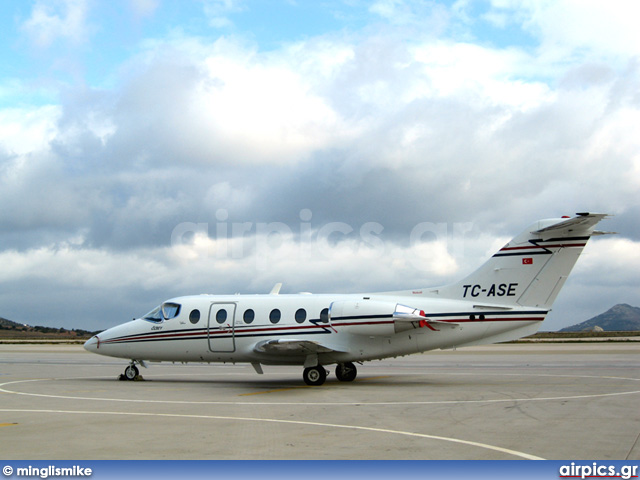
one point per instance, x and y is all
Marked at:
(249, 316)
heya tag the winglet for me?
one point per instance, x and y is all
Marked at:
(276, 289)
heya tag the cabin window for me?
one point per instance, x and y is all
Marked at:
(248, 316)
(275, 315)
(221, 316)
(194, 316)
(301, 315)
(324, 315)
(472, 317)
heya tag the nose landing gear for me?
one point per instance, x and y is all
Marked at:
(132, 372)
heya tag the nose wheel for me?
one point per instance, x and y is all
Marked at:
(132, 372)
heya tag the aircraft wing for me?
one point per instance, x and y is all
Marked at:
(293, 346)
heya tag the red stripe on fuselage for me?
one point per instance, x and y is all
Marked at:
(241, 332)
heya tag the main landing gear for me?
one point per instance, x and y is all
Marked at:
(315, 376)
(346, 372)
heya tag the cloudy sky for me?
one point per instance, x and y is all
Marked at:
(155, 148)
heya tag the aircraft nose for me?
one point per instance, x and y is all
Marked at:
(92, 344)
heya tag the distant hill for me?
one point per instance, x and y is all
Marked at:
(8, 324)
(11, 329)
(619, 318)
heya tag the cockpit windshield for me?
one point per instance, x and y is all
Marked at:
(170, 310)
(166, 311)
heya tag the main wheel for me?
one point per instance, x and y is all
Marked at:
(314, 375)
(346, 372)
(131, 372)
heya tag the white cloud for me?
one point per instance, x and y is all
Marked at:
(430, 17)
(611, 260)
(217, 11)
(55, 19)
(144, 8)
(26, 130)
(577, 28)
(263, 110)
(494, 77)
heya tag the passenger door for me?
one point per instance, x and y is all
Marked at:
(221, 328)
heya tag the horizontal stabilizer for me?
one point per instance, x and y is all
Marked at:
(576, 225)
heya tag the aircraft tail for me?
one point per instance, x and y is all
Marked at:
(531, 269)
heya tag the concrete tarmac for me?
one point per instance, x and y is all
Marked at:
(512, 401)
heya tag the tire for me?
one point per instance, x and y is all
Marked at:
(131, 372)
(346, 372)
(314, 376)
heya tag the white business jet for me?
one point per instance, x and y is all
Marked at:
(505, 299)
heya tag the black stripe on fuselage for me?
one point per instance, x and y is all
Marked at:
(492, 313)
(243, 331)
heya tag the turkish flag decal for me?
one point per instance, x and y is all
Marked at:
(527, 261)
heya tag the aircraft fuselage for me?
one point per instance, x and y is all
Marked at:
(201, 333)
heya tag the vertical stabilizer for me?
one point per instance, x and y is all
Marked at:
(531, 269)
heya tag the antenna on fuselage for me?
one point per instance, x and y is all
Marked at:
(276, 289)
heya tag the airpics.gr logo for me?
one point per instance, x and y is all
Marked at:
(600, 471)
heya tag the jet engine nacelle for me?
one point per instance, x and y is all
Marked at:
(372, 317)
(363, 317)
